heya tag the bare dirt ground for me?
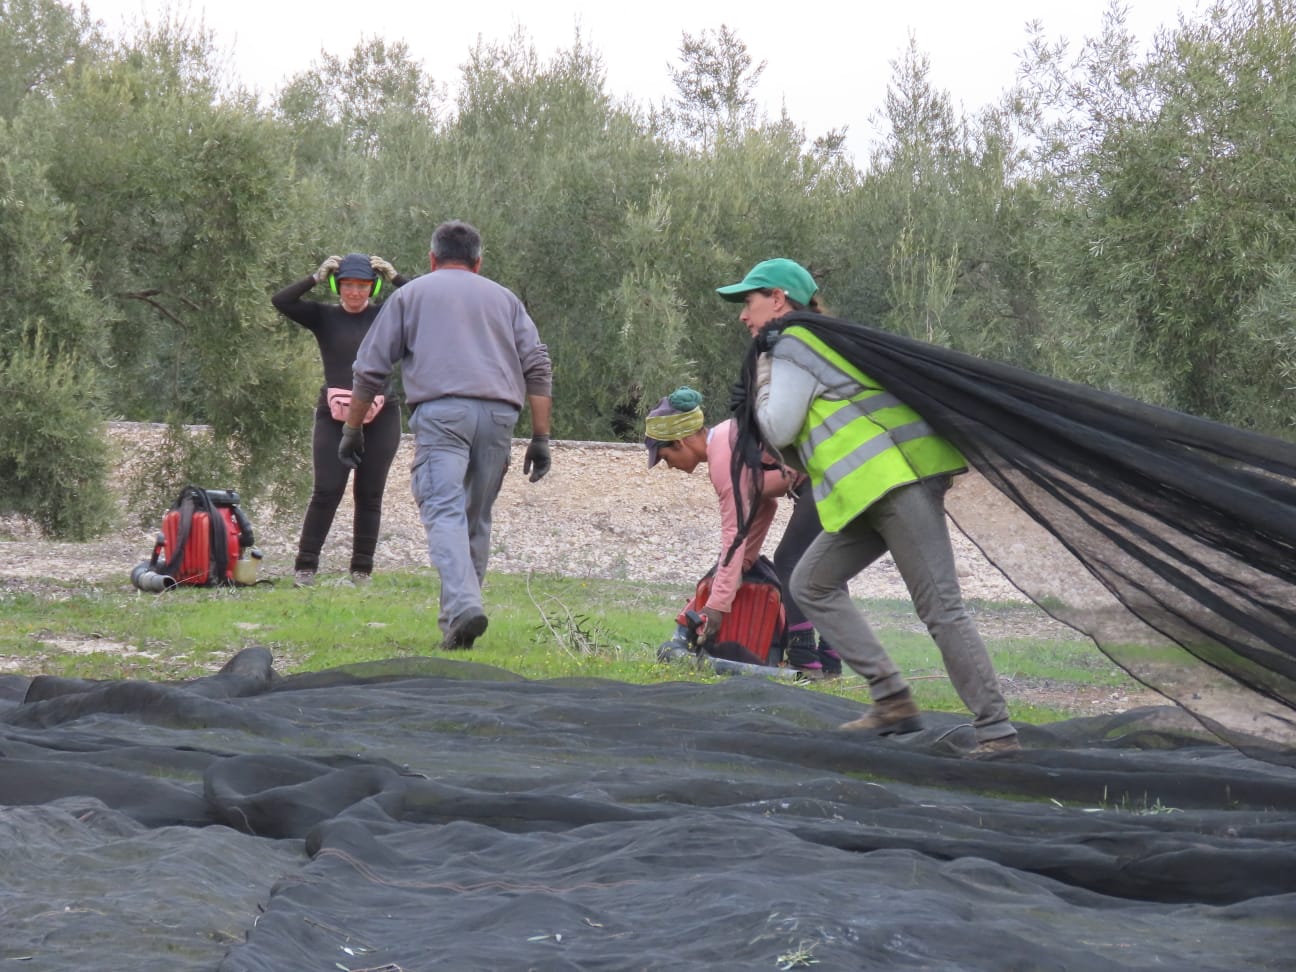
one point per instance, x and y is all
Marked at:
(600, 513)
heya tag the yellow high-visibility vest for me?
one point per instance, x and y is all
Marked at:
(858, 441)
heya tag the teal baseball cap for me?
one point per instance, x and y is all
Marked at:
(782, 274)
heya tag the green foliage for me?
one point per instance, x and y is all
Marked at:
(938, 230)
(185, 455)
(45, 285)
(41, 42)
(647, 359)
(52, 449)
(182, 203)
(550, 170)
(713, 239)
(343, 107)
(716, 82)
(1172, 243)
(1118, 219)
(53, 338)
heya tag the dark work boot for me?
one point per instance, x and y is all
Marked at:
(802, 654)
(464, 631)
(893, 715)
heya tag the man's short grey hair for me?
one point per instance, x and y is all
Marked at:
(455, 241)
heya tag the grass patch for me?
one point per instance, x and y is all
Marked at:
(541, 627)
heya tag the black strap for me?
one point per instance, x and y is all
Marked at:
(218, 572)
(185, 505)
(193, 500)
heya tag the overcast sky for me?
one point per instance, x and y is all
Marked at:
(828, 63)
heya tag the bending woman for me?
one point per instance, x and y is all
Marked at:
(339, 329)
(676, 433)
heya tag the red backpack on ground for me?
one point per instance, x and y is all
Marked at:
(203, 536)
(753, 630)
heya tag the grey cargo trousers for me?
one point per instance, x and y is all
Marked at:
(461, 452)
(910, 523)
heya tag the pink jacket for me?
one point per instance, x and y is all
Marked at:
(776, 483)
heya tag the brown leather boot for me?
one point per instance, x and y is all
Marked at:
(890, 716)
(994, 748)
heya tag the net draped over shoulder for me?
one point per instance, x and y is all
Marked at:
(1180, 531)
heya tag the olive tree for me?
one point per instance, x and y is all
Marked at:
(53, 340)
(1171, 237)
(183, 197)
(41, 43)
(715, 81)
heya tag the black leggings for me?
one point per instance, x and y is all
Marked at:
(801, 529)
(381, 439)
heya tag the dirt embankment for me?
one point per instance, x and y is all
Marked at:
(599, 513)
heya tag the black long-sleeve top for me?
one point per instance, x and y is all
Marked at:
(337, 332)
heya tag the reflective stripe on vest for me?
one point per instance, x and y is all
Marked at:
(859, 441)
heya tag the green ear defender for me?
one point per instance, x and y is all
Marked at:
(373, 291)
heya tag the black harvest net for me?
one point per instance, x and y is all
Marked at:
(1182, 531)
(423, 814)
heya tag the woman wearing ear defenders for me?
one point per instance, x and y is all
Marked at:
(339, 328)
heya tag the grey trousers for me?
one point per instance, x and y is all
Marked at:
(461, 452)
(910, 523)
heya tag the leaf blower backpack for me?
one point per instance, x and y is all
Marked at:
(206, 541)
(754, 629)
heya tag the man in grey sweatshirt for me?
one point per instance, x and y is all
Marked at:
(470, 358)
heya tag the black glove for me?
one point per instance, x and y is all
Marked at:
(737, 397)
(537, 461)
(351, 448)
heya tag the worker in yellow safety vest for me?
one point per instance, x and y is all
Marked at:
(879, 474)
